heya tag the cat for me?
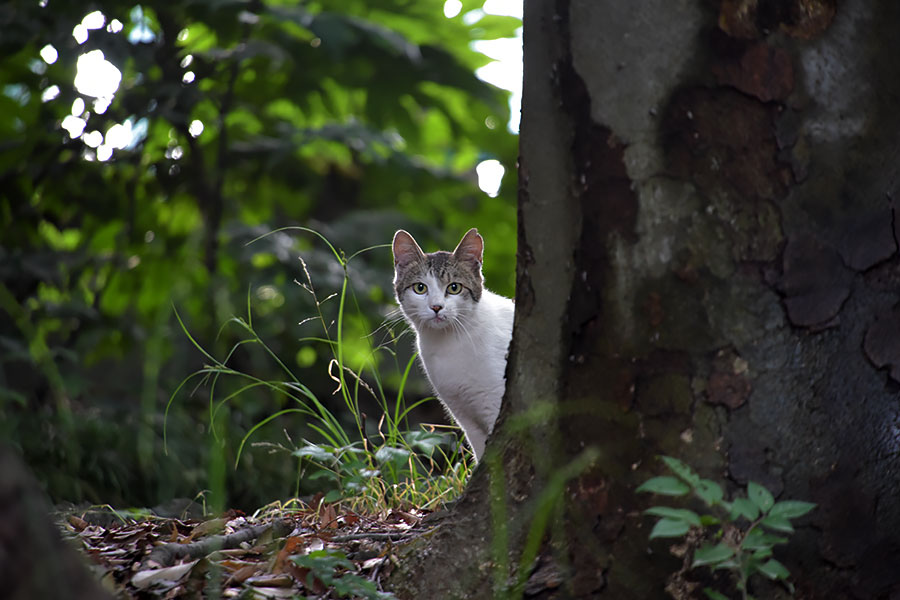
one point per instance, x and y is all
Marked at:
(462, 329)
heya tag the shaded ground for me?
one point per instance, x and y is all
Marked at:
(318, 551)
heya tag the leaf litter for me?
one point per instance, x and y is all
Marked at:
(320, 550)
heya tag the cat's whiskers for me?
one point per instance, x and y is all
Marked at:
(393, 334)
(394, 319)
(459, 323)
(394, 312)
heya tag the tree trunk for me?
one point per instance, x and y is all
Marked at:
(708, 268)
(34, 561)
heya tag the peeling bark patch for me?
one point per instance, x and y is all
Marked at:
(728, 389)
(737, 18)
(748, 460)
(843, 539)
(884, 277)
(814, 281)
(728, 384)
(602, 180)
(756, 231)
(624, 388)
(895, 219)
(546, 576)
(524, 258)
(793, 146)
(725, 142)
(866, 243)
(662, 386)
(809, 18)
(519, 487)
(602, 188)
(664, 395)
(749, 19)
(761, 70)
(878, 571)
(654, 309)
(591, 492)
(882, 343)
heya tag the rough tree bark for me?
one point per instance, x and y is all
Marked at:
(708, 268)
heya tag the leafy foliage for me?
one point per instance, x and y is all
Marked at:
(324, 565)
(231, 119)
(743, 526)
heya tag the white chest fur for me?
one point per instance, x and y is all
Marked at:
(466, 365)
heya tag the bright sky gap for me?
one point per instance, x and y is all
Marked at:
(99, 79)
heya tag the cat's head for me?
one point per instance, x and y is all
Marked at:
(439, 289)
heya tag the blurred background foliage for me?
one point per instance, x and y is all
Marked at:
(126, 192)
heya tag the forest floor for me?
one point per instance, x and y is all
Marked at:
(314, 550)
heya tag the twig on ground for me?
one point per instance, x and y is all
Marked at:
(167, 554)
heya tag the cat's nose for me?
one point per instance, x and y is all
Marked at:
(437, 308)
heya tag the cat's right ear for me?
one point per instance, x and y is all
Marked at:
(406, 250)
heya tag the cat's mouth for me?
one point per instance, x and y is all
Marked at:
(438, 321)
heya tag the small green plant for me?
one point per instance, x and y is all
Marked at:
(740, 539)
(333, 569)
(417, 471)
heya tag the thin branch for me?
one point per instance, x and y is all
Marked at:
(167, 554)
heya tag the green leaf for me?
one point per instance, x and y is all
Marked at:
(713, 594)
(709, 555)
(681, 469)
(323, 562)
(324, 474)
(390, 454)
(313, 452)
(426, 441)
(491, 27)
(778, 524)
(709, 491)
(762, 553)
(757, 539)
(760, 496)
(707, 520)
(678, 514)
(726, 564)
(791, 509)
(773, 569)
(666, 485)
(332, 496)
(669, 528)
(743, 507)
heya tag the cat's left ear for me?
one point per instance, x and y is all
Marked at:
(471, 247)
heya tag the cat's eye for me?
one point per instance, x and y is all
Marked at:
(419, 288)
(454, 288)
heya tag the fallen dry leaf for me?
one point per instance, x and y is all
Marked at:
(208, 527)
(144, 579)
(77, 523)
(242, 574)
(271, 581)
